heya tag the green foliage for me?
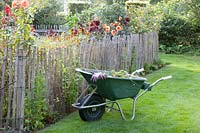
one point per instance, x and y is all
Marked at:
(71, 83)
(145, 19)
(149, 68)
(78, 7)
(36, 105)
(178, 35)
(3, 2)
(194, 10)
(16, 29)
(49, 14)
(155, 1)
(111, 13)
(179, 32)
(107, 14)
(72, 20)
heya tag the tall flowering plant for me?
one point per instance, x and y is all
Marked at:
(96, 28)
(15, 24)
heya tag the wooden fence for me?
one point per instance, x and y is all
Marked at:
(19, 69)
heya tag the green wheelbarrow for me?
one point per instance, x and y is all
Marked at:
(106, 90)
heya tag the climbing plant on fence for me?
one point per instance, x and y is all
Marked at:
(15, 40)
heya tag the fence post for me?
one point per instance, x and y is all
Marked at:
(20, 89)
(3, 85)
(10, 86)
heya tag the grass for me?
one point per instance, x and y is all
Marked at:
(172, 106)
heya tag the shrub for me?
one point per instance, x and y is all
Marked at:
(36, 105)
(154, 66)
(179, 33)
(145, 18)
(70, 83)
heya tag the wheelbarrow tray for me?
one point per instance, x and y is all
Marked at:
(113, 88)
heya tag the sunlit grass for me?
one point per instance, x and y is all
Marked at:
(172, 106)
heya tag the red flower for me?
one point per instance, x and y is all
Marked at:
(24, 3)
(96, 22)
(127, 19)
(93, 28)
(125, 23)
(80, 25)
(92, 24)
(7, 10)
(74, 32)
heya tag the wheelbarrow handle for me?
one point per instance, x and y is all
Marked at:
(157, 81)
(167, 77)
(138, 71)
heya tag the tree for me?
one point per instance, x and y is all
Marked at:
(194, 7)
(49, 14)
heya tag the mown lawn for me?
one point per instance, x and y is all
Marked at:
(173, 106)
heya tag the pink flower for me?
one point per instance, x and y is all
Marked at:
(7, 10)
(3, 20)
(24, 3)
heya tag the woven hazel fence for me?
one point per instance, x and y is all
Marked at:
(19, 67)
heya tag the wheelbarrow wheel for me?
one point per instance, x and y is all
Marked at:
(94, 113)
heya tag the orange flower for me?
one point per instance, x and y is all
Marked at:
(107, 29)
(113, 32)
(120, 18)
(87, 32)
(112, 24)
(24, 3)
(118, 28)
(117, 23)
(104, 26)
(15, 3)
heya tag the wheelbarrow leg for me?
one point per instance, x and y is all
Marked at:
(134, 108)
(120, 110)
(134, 102)
(82, 93)
(111, 108)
